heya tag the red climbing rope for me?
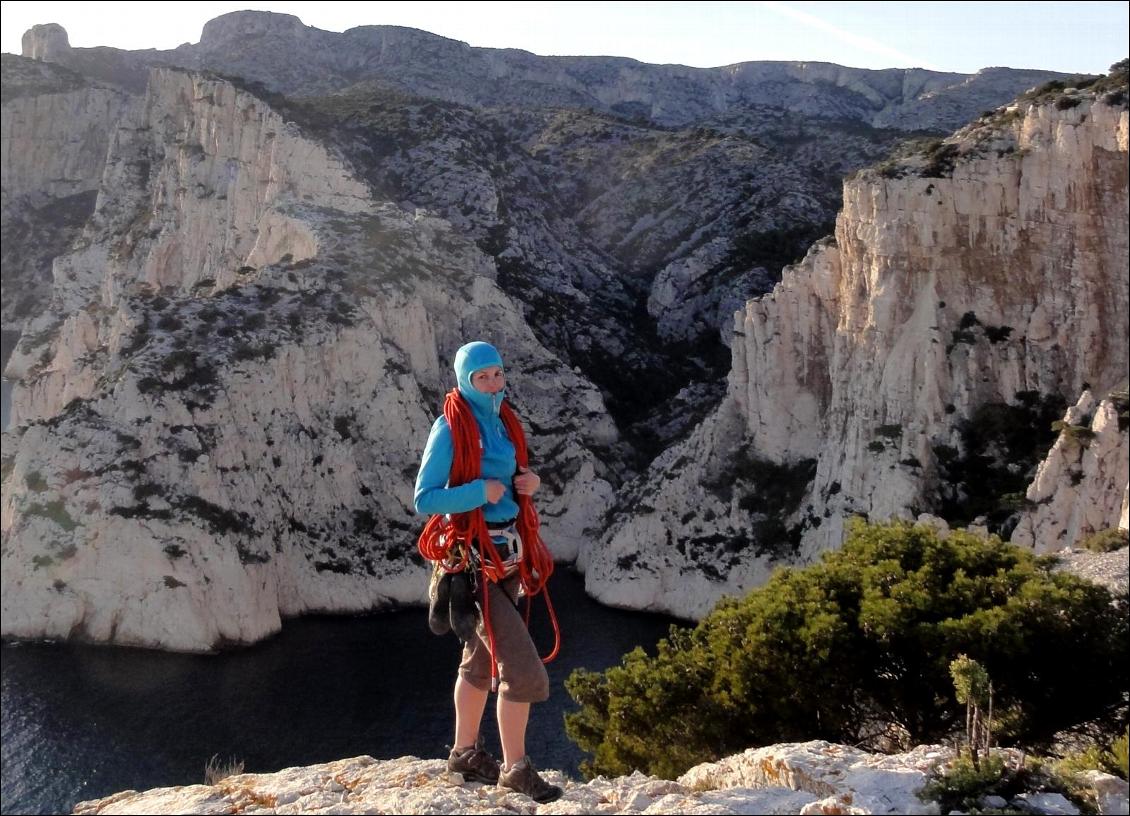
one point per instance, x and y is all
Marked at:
(442, 536)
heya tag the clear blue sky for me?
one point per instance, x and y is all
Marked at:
(952, 36)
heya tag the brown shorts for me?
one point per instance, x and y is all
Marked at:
(522, 675)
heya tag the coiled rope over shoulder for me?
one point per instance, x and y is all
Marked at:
(444, 537)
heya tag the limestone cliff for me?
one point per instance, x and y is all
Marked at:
(601, 186)
(54, 133)
(218, 420)
(1081, 487)
(914, 363)
(260, 46)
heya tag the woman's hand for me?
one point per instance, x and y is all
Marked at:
(495, 490)
(526, 482)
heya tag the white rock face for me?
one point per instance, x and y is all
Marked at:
(847, 780)
(1080, 488)
(218, 423)
(683, 302)
(642, 565)
(940, 295)
(46, 42)
(54, 134)
(811, 777)
(54, 144)
(184, 191)
(904, 248)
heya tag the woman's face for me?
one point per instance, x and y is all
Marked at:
(489, 380)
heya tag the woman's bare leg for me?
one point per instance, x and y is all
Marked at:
(512, 719)
(470, 703)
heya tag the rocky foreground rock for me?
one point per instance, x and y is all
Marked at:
(807, 778)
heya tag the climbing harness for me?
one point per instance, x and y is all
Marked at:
(509, 545)
(448, 539)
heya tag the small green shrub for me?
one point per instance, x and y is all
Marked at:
(169, 323)
(974, 690)
(344, 427)
(55, 511)
(962, 784)
(1106, 540)
(1109, 758)
(42, 561)
(1012, 502)
(1121, 400)
(963, 334)
(771, 249)
(35, 482)
(1078, 433)
(247, 351)
(940, 160)
(178, 359)
(220, 520)
(998, 334)
(249, 556)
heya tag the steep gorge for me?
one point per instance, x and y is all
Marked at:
(217, 416)
(981, 282)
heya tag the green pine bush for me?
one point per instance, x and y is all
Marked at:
(1106, 541)
(1108, 758)
(856, 648)
(961, 785)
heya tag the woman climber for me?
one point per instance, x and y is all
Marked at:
(476, 484)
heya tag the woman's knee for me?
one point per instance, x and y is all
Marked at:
(530, 686)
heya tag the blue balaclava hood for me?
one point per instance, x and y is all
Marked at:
(471, 358)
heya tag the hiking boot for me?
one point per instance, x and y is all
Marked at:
(474, 763)
(523, 778)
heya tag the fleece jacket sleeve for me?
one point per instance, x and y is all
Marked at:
(433, 496)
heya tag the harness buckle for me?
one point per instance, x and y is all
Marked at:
(509, 545)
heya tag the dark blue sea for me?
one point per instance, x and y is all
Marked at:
(82, 722)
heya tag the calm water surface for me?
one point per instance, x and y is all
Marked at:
(82, 722)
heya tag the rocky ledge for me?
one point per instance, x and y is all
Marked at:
(806, 778)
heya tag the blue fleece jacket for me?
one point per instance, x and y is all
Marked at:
(432, 493)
